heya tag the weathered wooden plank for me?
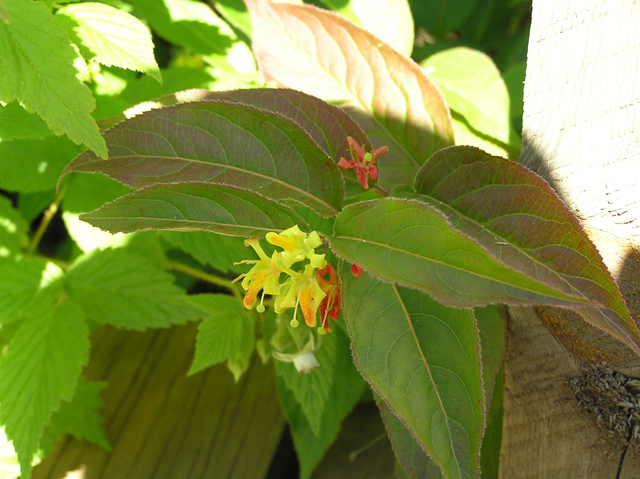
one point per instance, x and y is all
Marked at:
(165, 425)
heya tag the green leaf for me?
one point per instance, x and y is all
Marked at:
(411, 243)
(30, 205)
(440, 17)
(38, 70)
(78, 417)
(467, 136)
(40, 368)
(221, 209)
(520, 221)
(30, 166)
(327, 125)
(20, 283)
(222, 143)
(236, 14)
(110, 36)
(18, 124)
(416, 463)
(492, 440)
(13, 231)
(211, 249)
(347, 389)
(514, 79)
(9, 464)
(88, 192)
(422, 357)
(226, 332)
(391, 99)
(194, 25)
(126, 291)
(473, 87)
(492, 322)
(389, 20)
(311, 390)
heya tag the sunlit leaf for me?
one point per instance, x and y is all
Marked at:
(17, 124)
(38, 70)
(41, 367)
(195, 25)
(519, 220)
(221, 209)
(389, 20)
(422, 358)
(393, 101)
(411, 243)
(110, 36)
(223, 143)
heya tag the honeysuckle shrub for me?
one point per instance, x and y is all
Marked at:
(362, 215)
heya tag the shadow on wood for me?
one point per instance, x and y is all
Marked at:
(162, 424)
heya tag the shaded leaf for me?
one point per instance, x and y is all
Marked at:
(217, 208)
(225, 332)
(422, 357)
(78, 417)
(37, 69)
(40, 368)
(110, 36)
(414, 460)
(492, 323)
(194, 25)
(440, 17)
(13, 231)
(222, 143)
(236, 14)
(521, 222)
(18, 124)
(492, 440)
(392, 100)
(21, 281)
(347, 388)
(411, 243)
(467, 136)
(328, 126)
(126, 291)
(389, 20)
(211, 249)
(30, 166)
(311, 390)
(30, 205)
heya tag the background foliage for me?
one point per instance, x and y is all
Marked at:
(66, 267)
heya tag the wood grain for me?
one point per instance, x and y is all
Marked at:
(581, 132)
(163, 425)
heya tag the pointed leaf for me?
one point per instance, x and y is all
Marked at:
(347, 389)
(519, 220)
(472, 85)
(411, 243)
(221, 209)
(492, 323)
(389, 20)
(37, 69)
(126, 291)
(226, 332)
(422, 357)
(222, 143)
(392, 100)
(78, 417)
(195, 25)
(312, 389)
(414, 460)
(40, 368)
(327, 125)
(110, 36)
(21, 281)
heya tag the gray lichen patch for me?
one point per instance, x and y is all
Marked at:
(612, 397)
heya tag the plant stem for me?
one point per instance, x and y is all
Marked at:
(354, 454)
(49, 213)
(209, 278)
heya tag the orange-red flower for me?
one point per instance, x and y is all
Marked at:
(332, 302)
(363, 163)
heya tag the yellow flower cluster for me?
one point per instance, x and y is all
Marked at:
(298, 287)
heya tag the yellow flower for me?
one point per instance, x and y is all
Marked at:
(303, 289)
(263, 276)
